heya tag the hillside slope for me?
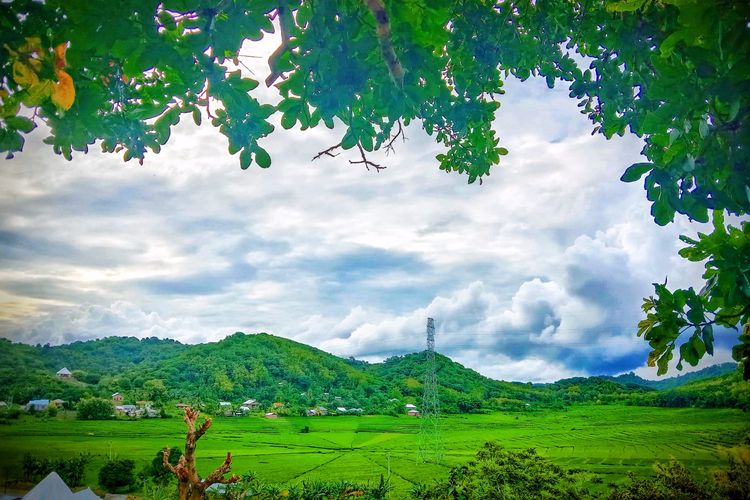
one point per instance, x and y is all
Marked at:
(274, 369)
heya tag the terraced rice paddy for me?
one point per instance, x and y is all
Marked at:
(607, 440)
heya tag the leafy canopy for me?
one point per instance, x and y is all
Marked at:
(674, 72)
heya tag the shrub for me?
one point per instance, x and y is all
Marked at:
(71, 470)
(156, 471)
(499, 473)
(117, 475)
(94, 409)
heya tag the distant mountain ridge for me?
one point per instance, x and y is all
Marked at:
(274, 369)
(676, 381)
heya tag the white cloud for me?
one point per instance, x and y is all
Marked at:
(541, 269)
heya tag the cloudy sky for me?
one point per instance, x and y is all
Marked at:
(538, 274)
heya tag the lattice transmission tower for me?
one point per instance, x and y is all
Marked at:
(430, 441)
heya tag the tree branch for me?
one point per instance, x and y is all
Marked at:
(328, 152)
(217, 476)
(364, 161)
(165, 455)
(286, 20)
(389, 147)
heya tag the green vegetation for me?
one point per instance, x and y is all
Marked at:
(118, 475)
(272, 369)
(606, 440)
(498, 473)
(94, 409)
(71, 470)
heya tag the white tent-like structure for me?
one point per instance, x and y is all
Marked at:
(53, 487)
(86, 494)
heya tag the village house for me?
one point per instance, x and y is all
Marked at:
(316, 412)
(57, 402)
(271, 415)
(64, 373)
(278, 405)
(37, 404)
(225, 408)
(117, 397)
(341, 409)
(413, 413)
(129, 410)
(182, 406)
(410, 406)
(250, 404)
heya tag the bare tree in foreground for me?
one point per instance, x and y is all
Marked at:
(190, 486)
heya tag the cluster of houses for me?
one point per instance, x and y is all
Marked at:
(145, 408)
(139, 409)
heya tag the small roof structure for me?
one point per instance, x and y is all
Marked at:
(225, 403)
(410, 406)
(51, 487)
(86, 494)
(341, 409)
(38, 402)
(271, 415)
(250, 402)
(64, 372)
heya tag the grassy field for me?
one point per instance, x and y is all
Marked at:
(608, 440)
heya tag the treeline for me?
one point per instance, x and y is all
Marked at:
(272, 369)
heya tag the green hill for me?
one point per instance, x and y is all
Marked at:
(274, 369)
(679, 380)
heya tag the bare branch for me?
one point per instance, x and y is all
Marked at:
(165, 455)
(389, 147)
(217, 476)
(328, 152)
(203, 428)
(367, 163)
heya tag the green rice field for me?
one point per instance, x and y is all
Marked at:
(607, 440)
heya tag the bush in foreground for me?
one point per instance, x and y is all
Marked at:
(499, 473)
(250, 487)
(71, 470)
(118, 476)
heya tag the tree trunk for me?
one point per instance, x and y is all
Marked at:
(190, 486)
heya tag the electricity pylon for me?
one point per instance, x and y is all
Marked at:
(430, 441)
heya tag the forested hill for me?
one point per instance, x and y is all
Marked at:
(680, 380)
(274, 369)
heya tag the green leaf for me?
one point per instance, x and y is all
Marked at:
(734, 109)
(662, 212)
(262, 158)
(698, 346)
(688, 353)
(21, 123)
(288, 119)
(245, 158)
(708, 339)
(636, 171)
(349, 140)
